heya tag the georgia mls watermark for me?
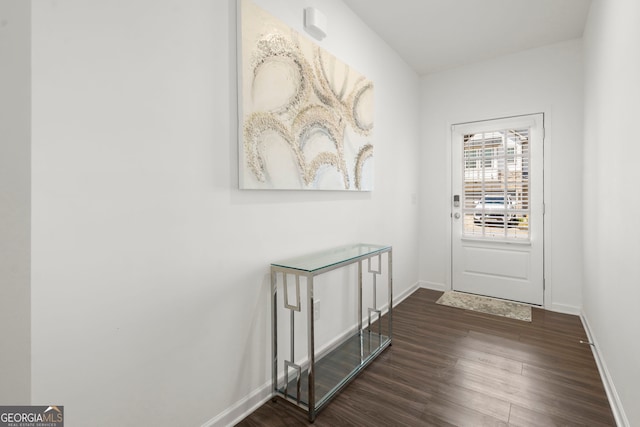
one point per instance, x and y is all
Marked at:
(32, 416)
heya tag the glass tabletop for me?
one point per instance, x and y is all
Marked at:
(320, 260)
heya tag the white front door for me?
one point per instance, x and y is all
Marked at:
(497, 208)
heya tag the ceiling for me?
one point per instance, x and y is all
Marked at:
(433, 35)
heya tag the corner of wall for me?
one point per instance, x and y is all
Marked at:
(607, 380)
(432, 285)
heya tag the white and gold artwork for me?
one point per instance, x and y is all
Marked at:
(306, 118)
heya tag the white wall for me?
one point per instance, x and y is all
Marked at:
(611, 196)
(149, 267)
(15, 311)
(548, 80)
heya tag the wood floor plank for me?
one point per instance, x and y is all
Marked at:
(452, 367)
(522, 417)
(587, 386)
(441, 411)
(537, 396)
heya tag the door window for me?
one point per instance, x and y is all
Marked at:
(496, 184)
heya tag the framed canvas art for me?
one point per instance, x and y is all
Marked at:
(305, 117)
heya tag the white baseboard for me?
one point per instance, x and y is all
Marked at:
(612, 394)
(565, 309)
(236, 413)
(404, 295)
(259, 396)
(433, 286)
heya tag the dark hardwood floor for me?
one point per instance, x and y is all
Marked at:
(452, 367)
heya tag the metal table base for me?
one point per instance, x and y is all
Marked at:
(311, 384)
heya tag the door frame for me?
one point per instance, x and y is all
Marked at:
(547, 217)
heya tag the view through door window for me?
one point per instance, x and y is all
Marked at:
(496, 184)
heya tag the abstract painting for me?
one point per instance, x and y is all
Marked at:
(305, 117)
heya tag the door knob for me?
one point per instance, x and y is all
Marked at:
(456, 215)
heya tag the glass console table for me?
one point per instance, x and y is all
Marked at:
(310, 385)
